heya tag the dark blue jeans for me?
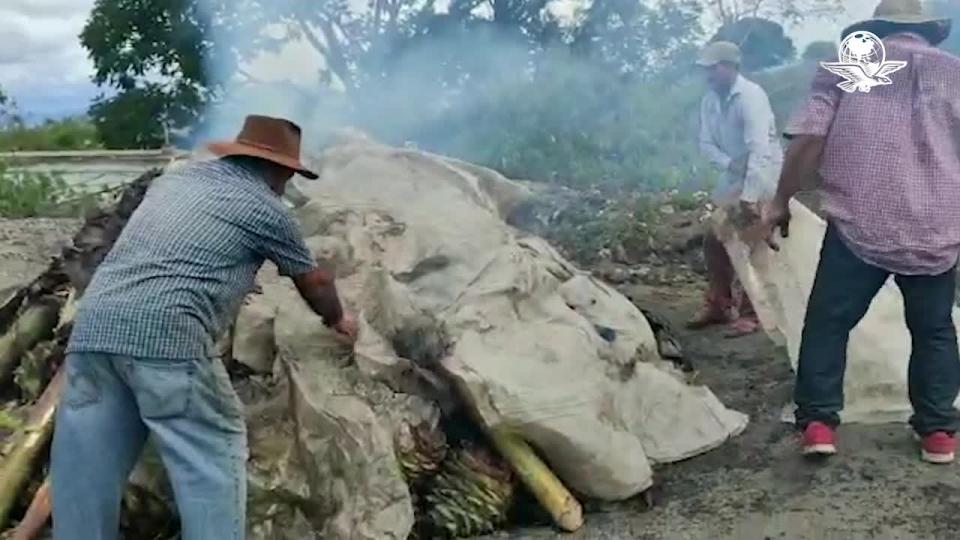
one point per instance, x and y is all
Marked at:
(842, 292)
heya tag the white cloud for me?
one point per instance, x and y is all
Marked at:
(47, 8)
(41, 54)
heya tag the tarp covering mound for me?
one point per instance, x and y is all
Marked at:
(423, 255)
(875, 386)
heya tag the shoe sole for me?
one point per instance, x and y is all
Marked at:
(819, 450)
(936, 459)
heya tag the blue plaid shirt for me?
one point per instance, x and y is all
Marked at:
(184, 262)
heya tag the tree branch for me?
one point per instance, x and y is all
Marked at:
(329, 48)
(377, 14)
(336, 57)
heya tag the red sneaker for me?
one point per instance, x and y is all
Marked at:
(938, 447)
(818, 440)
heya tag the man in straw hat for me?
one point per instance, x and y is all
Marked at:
(890, 168)
(141, 357)
(738, 135)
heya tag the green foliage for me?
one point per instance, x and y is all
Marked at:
(132, 119)
(576, 126)
(786, 87)
(793, 11)
(633, 37)
(152, 53)
(25, 194)
(762, 42)
(9, 421)
(8, 111)
(68, 134)
(820, 50)
(608, 100)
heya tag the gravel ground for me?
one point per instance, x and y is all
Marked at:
(757, 486)
(28, 245)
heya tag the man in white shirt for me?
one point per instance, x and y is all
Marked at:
(738, 135)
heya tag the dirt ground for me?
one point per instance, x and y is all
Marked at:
(757, 486)
(28, 245)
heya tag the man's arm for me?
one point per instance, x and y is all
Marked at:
(320, 292)
(708, 147)
(800, 165)
(807, 131)
(757, 119)
(280, 240)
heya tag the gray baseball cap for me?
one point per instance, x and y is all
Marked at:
(719, 51)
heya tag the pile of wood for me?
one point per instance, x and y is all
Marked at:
(36, 321)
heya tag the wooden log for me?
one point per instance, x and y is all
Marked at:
(539, 479)
(35, 324)
(37, 515)
(19, 463)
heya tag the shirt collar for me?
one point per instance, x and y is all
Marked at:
(737, 87)
(233, 172)
(735, 90)
(906, 36)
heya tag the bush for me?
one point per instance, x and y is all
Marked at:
(69, 134)
(26, 194)
(578, 126)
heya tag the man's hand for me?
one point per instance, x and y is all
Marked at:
(749, 224)
(776, 215)
(750, 212)
(738, 167)
(347, 327)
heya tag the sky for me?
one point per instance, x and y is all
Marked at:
(44, 68)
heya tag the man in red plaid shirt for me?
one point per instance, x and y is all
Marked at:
(889, 160)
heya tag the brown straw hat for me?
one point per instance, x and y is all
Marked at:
(273, 139)
(892, 16)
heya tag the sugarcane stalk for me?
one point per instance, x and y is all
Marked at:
(19, 463)
(539, 479)
(37, 514)
(34, 324)
(549, 491)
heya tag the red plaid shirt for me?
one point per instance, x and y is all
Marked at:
(891, 164)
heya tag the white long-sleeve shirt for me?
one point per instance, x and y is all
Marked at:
(739, 124)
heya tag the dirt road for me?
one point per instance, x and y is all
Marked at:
(757, 487)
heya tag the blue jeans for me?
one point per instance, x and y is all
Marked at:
(110, 404)
(842, 292)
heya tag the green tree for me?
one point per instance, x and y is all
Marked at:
(632, 37)
(151, 54)
(820, 50)
(762, 42)
(730, 11)
(8, 111)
